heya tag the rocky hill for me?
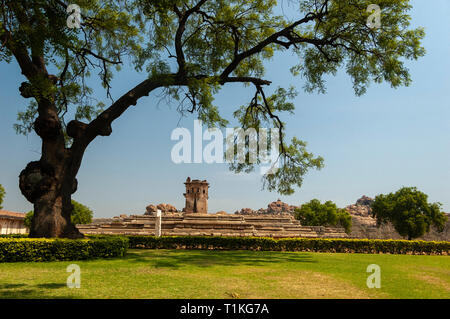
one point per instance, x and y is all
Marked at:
(165, 208)
(274, 208)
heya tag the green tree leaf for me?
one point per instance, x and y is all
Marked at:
(2, 196)
(409, 212)
(314, 213)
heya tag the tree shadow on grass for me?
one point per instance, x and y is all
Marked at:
(53, 285)
(31, 291)
(207, 258)
(11, 286)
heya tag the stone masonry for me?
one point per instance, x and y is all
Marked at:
(183, 224)
(196, 196)
(277, 221)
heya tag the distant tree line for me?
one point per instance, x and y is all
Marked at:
(407, 210)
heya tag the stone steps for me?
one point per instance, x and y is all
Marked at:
(214, 225)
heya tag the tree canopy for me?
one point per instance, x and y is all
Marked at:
(409, 212)
(192, 48)
(187, 50)
(2, 196)
(81, 213)
(314, 213)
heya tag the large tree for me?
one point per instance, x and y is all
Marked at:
(188, 50)
(409, 211)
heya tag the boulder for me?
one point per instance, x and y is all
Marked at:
(280, 207)
(365, 200)
(361, 208)
(161, 207)
(165, 208)
(171, 209)
(150, 209)
(245, 211)
(274, 208)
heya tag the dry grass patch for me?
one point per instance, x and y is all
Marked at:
(301, 284)
(435, 281)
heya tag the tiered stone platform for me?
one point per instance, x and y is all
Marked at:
(173, 224)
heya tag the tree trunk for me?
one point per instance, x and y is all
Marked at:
(49, 189)
(52, 217)
(50, 182)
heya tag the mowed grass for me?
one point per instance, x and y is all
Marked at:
(231, 274)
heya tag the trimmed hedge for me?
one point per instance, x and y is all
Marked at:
(42, 249)
(366, 246)
(14, 236)
(19, 249)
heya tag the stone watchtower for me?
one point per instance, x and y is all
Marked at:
(196, 196)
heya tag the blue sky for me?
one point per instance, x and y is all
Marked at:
(372, 144)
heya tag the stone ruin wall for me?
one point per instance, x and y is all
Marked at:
(179, 224)
(277, 221)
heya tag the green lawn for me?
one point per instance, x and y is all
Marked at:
(231, 274)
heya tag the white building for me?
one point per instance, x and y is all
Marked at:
(12, 223)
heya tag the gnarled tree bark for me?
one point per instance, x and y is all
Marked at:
(50, 182)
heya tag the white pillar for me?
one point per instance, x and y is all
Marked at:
(158, 223)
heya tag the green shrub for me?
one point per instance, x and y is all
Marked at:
(2, 195)
(314, 213)
(14, 236)
(371, 246)
(81, 214)
(409, 212)
(42, 249)
(28, 219)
